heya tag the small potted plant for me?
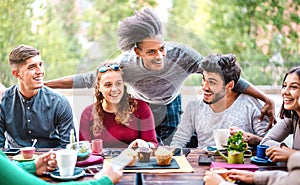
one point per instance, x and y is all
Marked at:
(236, 148)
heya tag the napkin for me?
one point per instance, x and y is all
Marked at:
(93, 159)
(250, 167)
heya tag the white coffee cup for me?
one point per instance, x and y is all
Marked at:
(221, 136)
(66, 160)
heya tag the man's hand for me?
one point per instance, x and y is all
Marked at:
(268, 110)
(45, 163)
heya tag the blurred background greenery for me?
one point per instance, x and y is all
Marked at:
(76, 35)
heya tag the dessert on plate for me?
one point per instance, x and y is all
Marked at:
(163, 156)
(144, 154)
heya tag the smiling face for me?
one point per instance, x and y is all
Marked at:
(291, 92)
(152, 51)
(111, 85)
(213, 87)
(30, 75)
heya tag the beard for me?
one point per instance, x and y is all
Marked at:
(216, 98)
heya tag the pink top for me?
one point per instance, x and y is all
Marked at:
(117, 135)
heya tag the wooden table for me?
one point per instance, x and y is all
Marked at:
(167, 178)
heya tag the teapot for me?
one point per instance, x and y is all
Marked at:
(234, 157)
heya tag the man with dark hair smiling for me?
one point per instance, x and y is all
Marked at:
(30, 111)
(221, 106)
(156, 70)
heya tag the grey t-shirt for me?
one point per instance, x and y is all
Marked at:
(156, 87)
(199, 117)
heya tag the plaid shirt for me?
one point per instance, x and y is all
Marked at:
(167, 122)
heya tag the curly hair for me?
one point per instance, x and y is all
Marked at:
(126, 107)
(225, 65)
(135, 29)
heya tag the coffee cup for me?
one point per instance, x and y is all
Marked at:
(66, 160)
(27, 152)
(220, 137)
(97, 145)
(261, 151)
(223, 172)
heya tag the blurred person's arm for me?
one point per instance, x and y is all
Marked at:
(8, 176)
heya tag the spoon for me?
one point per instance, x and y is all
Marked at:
(34, 141)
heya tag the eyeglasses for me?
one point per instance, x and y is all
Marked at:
(114, 67)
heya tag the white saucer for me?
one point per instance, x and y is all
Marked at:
(78, 172)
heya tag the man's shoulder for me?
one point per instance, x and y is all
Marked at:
(178, 49)
(48, 92)
(196, 104)
(10, 91)
(247, 98)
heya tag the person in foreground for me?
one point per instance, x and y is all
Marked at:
(275, 177)
(156, 70)
(291, 103)
(31, 111)
(15, 173)
(221, 107)
(116, 118)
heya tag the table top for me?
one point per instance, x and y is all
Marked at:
(161, 177)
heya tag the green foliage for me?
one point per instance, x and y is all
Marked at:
(237, 143)
(15, 28)
(43, 26)
(262, 33)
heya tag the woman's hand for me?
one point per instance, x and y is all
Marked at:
(114, 176)
(139, 143)
(212, 178)
(45, 163)
(242, 175)
(277, 154)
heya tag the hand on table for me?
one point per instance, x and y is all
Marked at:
(277, 154)
(212, 178)
(242, 175)
(45, 163)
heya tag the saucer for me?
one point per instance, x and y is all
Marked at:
(78, 172)
(212, 150)
(257, 160)
(20, 158)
